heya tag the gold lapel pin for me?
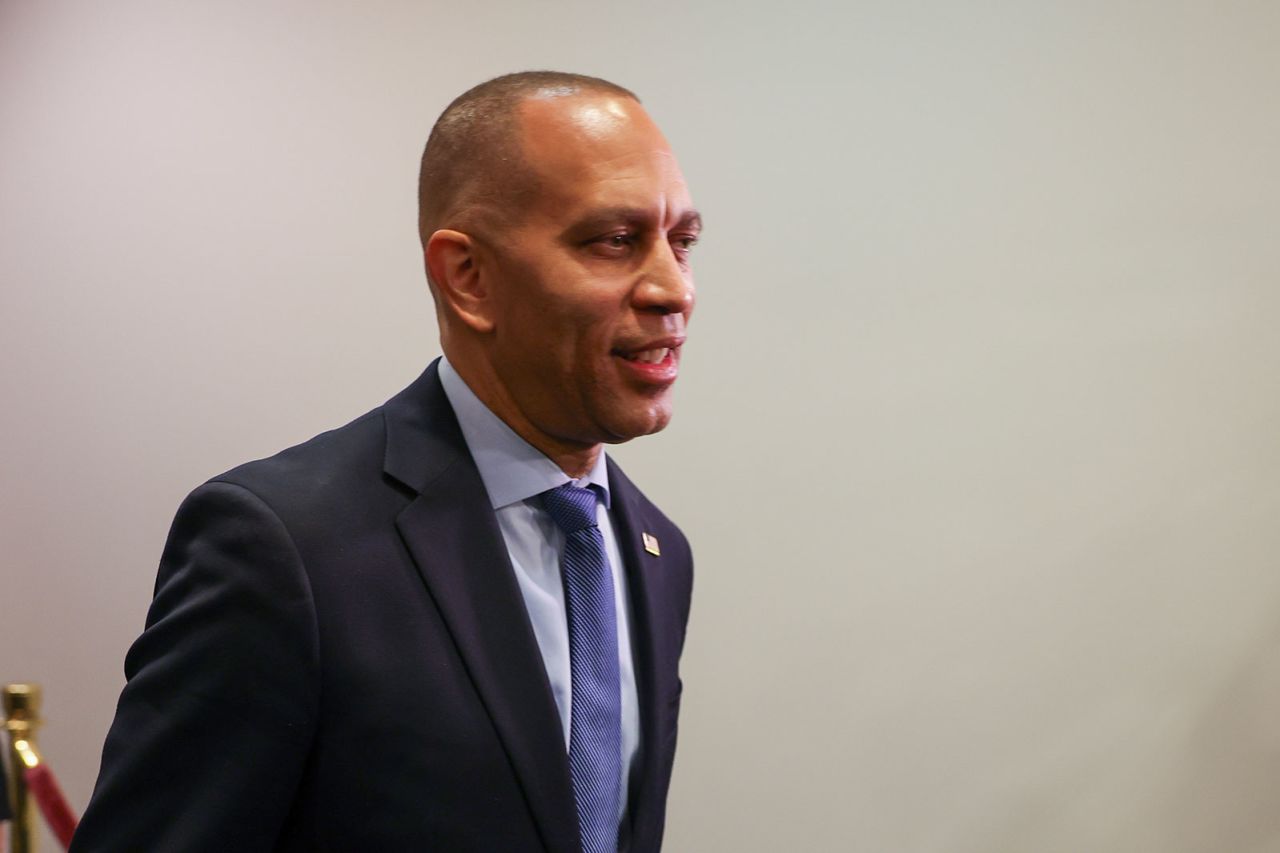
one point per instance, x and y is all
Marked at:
(651, 544)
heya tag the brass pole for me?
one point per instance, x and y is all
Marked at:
(21, 719)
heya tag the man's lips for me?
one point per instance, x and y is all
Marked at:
(650, 352)
(655, 361)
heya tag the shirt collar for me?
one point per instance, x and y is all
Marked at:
(512, 469)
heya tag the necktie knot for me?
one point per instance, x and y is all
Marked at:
(573, 508)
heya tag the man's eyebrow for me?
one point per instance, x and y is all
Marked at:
(632, 216)
(691, 220)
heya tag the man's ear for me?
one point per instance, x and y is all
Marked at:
(454, 267)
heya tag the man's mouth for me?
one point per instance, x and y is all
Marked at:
(648, 356)
(654, 363)
(653, 351)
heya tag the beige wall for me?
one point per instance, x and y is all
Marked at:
(978, 436)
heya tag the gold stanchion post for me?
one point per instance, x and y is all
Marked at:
(21, 719)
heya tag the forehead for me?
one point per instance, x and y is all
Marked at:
(589, 150)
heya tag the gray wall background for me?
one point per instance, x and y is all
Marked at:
(977, 436)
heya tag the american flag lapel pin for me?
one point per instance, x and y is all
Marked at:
(651, 544)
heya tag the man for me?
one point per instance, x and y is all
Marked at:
(366, 642)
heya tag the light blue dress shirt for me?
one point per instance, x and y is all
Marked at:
(514, 472)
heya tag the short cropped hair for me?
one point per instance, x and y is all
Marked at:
(473, 157)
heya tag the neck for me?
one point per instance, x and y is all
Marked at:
(575, 459)
(577, 464)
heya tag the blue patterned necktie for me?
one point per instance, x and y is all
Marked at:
(595, 725)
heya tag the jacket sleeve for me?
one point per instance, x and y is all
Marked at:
(216, 718)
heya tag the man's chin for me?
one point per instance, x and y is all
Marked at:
(652, 419)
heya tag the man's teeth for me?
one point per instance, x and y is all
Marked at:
(649, 356)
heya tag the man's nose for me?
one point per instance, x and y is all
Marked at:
(667, 286)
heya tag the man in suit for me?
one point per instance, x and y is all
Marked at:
(451, 624)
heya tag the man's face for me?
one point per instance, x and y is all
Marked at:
(591, 285)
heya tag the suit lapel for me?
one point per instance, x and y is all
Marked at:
(453, 536)
(649, 644)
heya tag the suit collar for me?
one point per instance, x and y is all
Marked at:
(423, 438)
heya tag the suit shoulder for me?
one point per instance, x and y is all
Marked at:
(340, 461)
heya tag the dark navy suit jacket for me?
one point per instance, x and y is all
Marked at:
(338, 658)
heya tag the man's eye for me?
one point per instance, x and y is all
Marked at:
(612, 245)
